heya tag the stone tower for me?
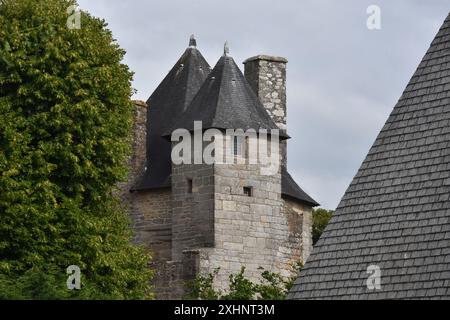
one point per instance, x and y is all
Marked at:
(196, 217)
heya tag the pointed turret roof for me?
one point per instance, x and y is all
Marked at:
(396, 212)
(226, 101)
(168, 101)
(290, 189)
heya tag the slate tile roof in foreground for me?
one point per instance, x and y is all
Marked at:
(396, 212)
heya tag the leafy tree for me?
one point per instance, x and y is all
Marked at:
(65, 118)
(320, 221)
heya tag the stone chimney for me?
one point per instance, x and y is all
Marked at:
(267, 77)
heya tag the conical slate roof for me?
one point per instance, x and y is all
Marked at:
(396, 212)
(168, 101)
(290, 188)
(226, 101)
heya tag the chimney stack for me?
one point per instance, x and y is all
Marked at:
(267, 77)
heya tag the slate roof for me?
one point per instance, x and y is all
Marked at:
(221, 98)
(396, 212)
(226, 101)
(290, 189)
(168, 101)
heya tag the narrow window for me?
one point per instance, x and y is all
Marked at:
(189, 185)
(237, 145)
(246, 148)
(248, 191)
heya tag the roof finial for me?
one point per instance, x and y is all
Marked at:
(192, 41)
(226, 49)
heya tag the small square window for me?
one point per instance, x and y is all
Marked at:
(248, 191)
(189, 185)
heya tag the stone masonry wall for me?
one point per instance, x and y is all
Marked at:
(136, 161)
(299, 218)
(251, 231)
(154, 230)
(154, 227)
(193, 213)
(267, 77)
(150, 211)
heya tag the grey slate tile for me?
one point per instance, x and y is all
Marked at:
(396, 211)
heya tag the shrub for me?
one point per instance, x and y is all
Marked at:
(272, 286)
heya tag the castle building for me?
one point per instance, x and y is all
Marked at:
(390, 235)
(196, 217)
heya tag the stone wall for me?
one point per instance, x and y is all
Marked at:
(252, 231)
(267, 77)
(171, 277)
(136, 161)
(193, 213)
(299, 217)
(152, 210)
(249, 229)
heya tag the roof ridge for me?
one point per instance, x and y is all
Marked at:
(221, 104)
(168, 101)
(220, 89)
(188, 71)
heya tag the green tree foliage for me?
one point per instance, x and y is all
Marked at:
(241, 288)
(272, 286)
(65, 118)
(320, 221)
(202, 287)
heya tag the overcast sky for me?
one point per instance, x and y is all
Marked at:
(342, 78)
